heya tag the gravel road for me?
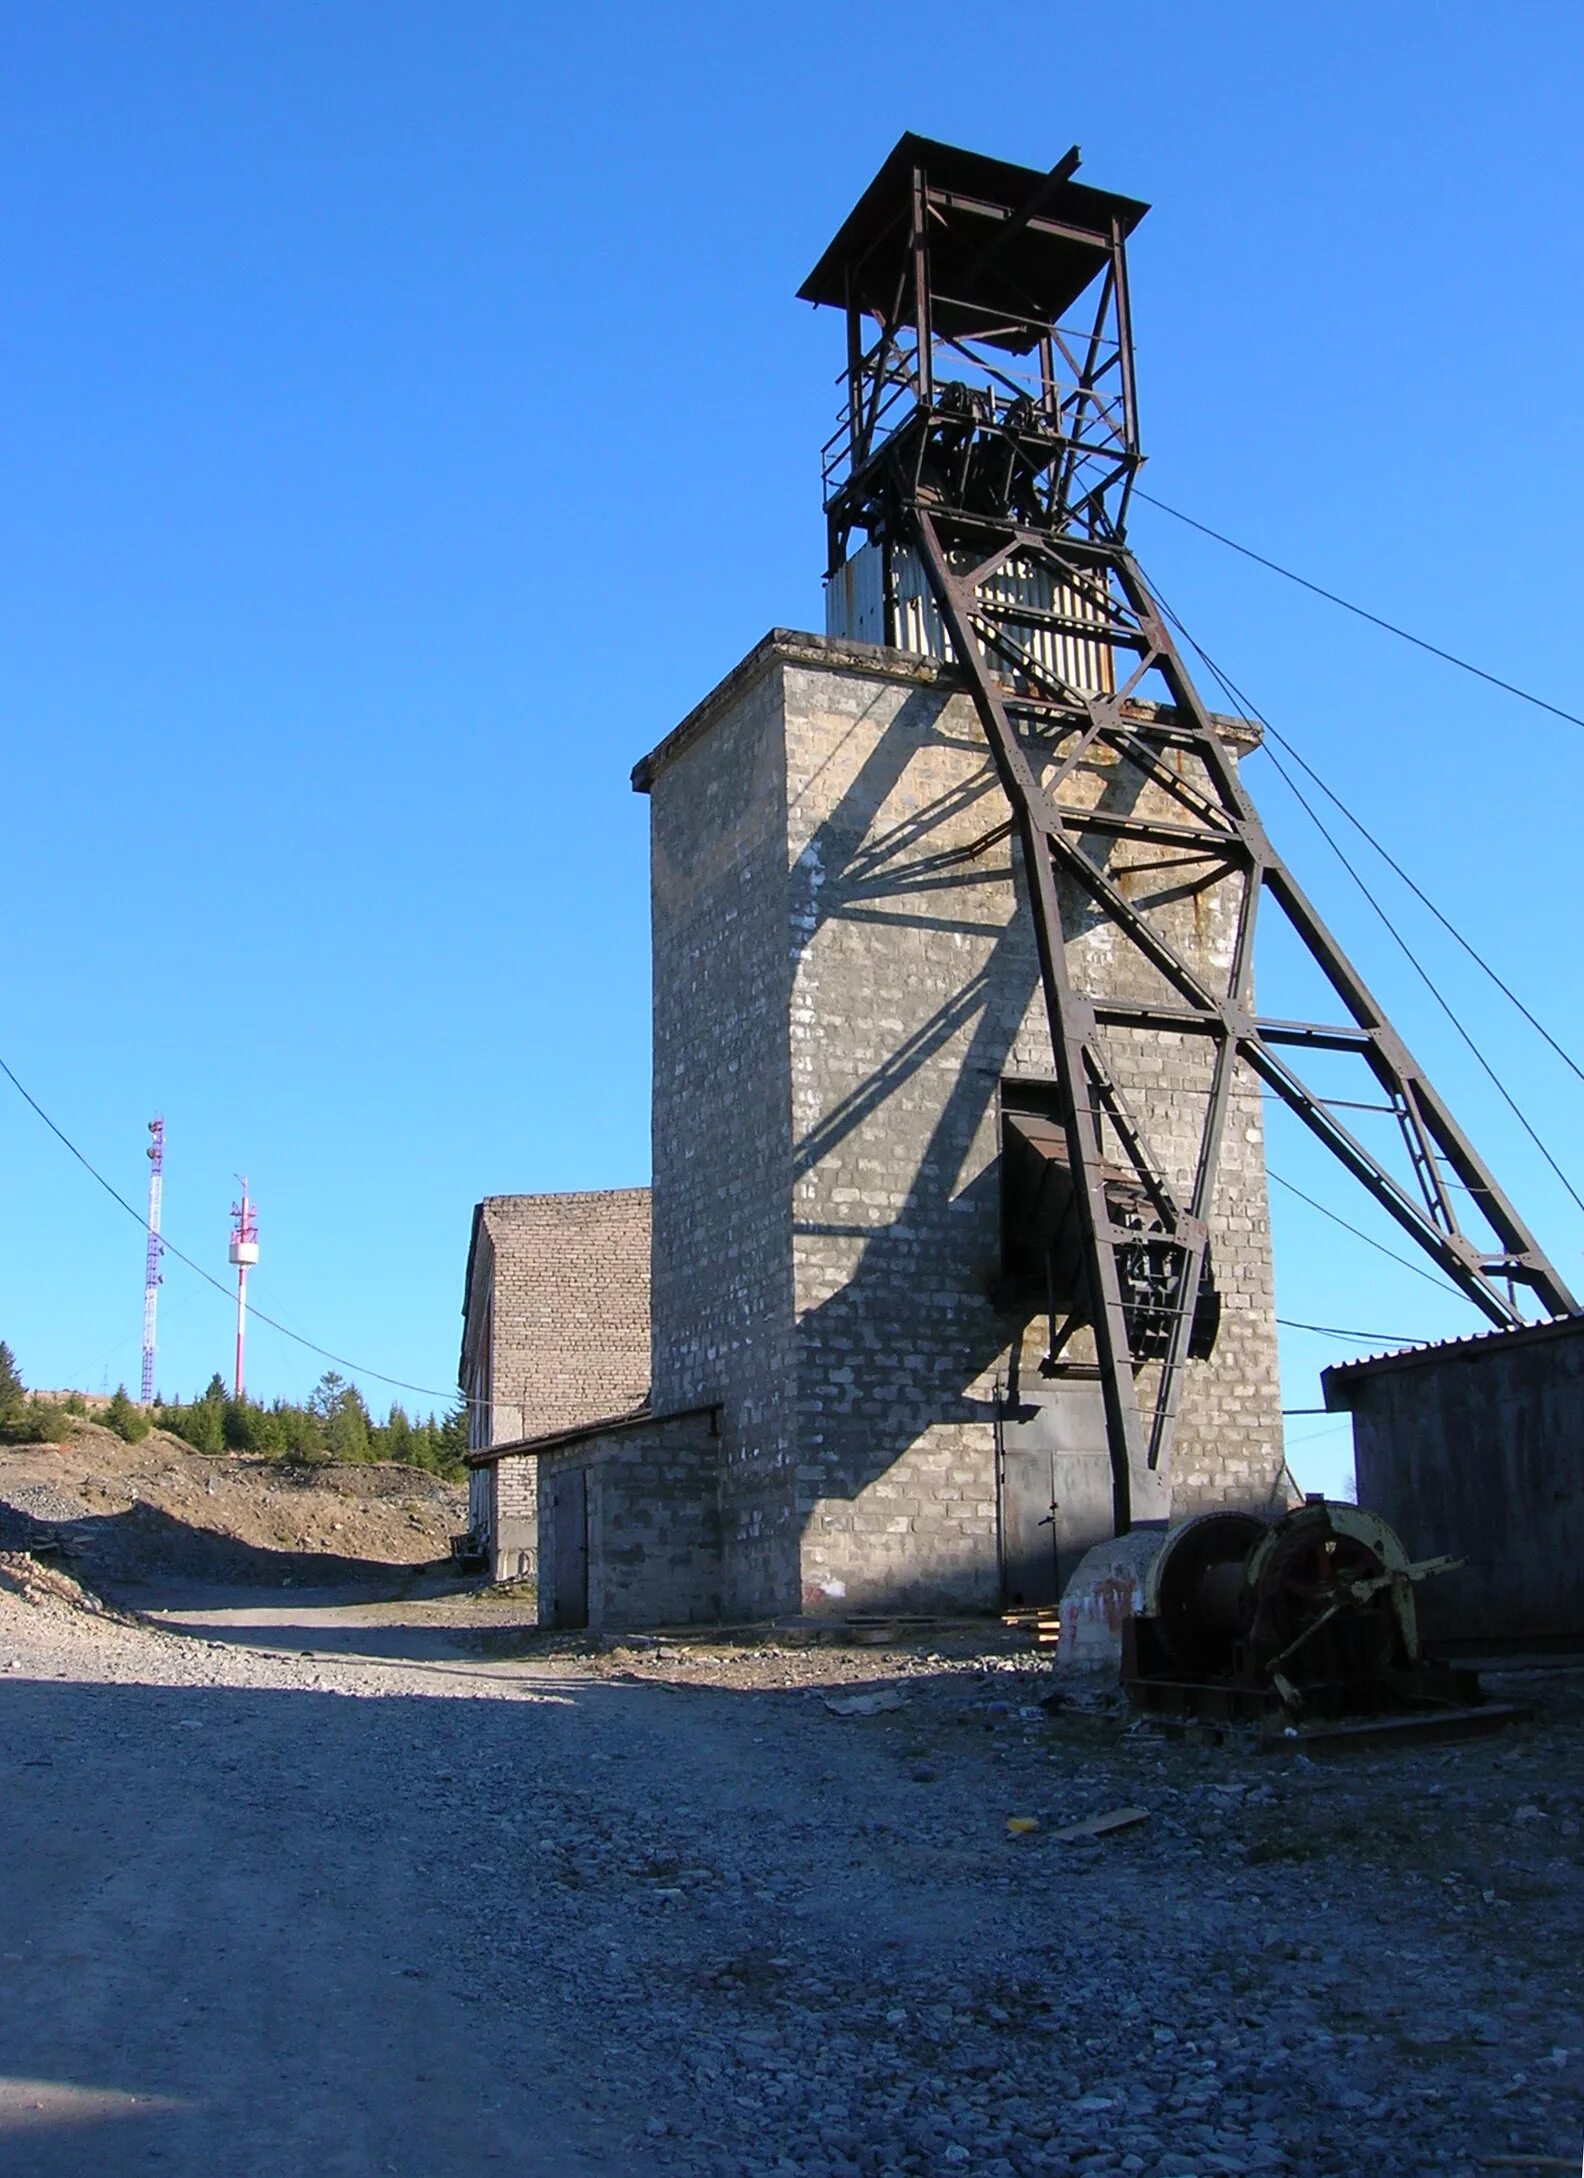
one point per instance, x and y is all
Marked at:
(354, 1892)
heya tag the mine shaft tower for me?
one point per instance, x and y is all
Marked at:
(978, 486)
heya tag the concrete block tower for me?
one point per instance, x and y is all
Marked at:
(847, 1010)
(960, 1258)
(959, 1199)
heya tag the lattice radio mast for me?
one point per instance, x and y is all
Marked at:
(976, 495)
(152, 1280)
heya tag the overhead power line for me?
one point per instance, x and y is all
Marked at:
(1313, 1436)
(1425, 900)
(427, 1391)
(167, 1247)
(1359, 1233)
(1246, 703)
(1426, 979)
(1357, 822)
(1479, 959)
(1332, 597)
(1365, 1338)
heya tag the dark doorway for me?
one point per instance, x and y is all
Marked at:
(1055, 1488)
(569, 1530)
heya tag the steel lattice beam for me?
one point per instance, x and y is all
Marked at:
(982, 483)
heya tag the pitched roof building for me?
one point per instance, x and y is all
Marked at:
(555, 1332)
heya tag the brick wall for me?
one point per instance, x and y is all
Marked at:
(555, 1333)
(650, 1519)
(912, 978)
(567, 1297)
(844, 975)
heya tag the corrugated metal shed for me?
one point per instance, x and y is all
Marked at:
(1342, 1373)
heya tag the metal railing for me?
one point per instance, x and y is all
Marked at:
(1081, 415)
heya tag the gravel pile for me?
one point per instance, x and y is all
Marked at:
(41, 1501)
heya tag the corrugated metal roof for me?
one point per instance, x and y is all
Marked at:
(1043, 267)
(610, 1425)
(1409, 1357)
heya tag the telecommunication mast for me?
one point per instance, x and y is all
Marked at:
(244, 1254)
(152, 1280)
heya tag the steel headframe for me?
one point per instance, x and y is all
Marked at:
(983, 476)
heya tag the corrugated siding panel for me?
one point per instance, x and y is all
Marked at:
(855, 608)
(1069, 658)
(855, 598)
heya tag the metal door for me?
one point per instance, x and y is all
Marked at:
(569, 1531)
(1055, 1488)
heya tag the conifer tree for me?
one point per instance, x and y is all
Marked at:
(198, 1425)
(454, 1438)
(124, 1418)
(340, 1409)
(12, 1393)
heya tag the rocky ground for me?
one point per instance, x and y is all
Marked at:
(410, 1889)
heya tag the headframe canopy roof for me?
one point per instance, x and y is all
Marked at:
(1051, 252)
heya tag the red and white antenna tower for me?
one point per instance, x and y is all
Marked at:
(244, 1254)
(152, 1280)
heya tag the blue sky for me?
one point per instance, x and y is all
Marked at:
(406, 419)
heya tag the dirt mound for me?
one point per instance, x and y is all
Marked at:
(47, 1588)
(158, 1509)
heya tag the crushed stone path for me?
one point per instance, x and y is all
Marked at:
(362, 1895)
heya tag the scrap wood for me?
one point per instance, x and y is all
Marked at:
(1044, 1624)
(1101, 1826)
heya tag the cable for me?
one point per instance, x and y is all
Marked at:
(1357, 822)
(1425, 900)
(1313, 1436)
(1419, 642)
(427, 1391)
(1441, 1285)
(1385, 852)
(1246, 703)
(1426, 978)
(1365, 1338)
(167, 1247)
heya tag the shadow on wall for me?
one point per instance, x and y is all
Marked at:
(915, 1326)
(912, 1327)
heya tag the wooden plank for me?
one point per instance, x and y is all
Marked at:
(1102, 1826)
(1369, 1733)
